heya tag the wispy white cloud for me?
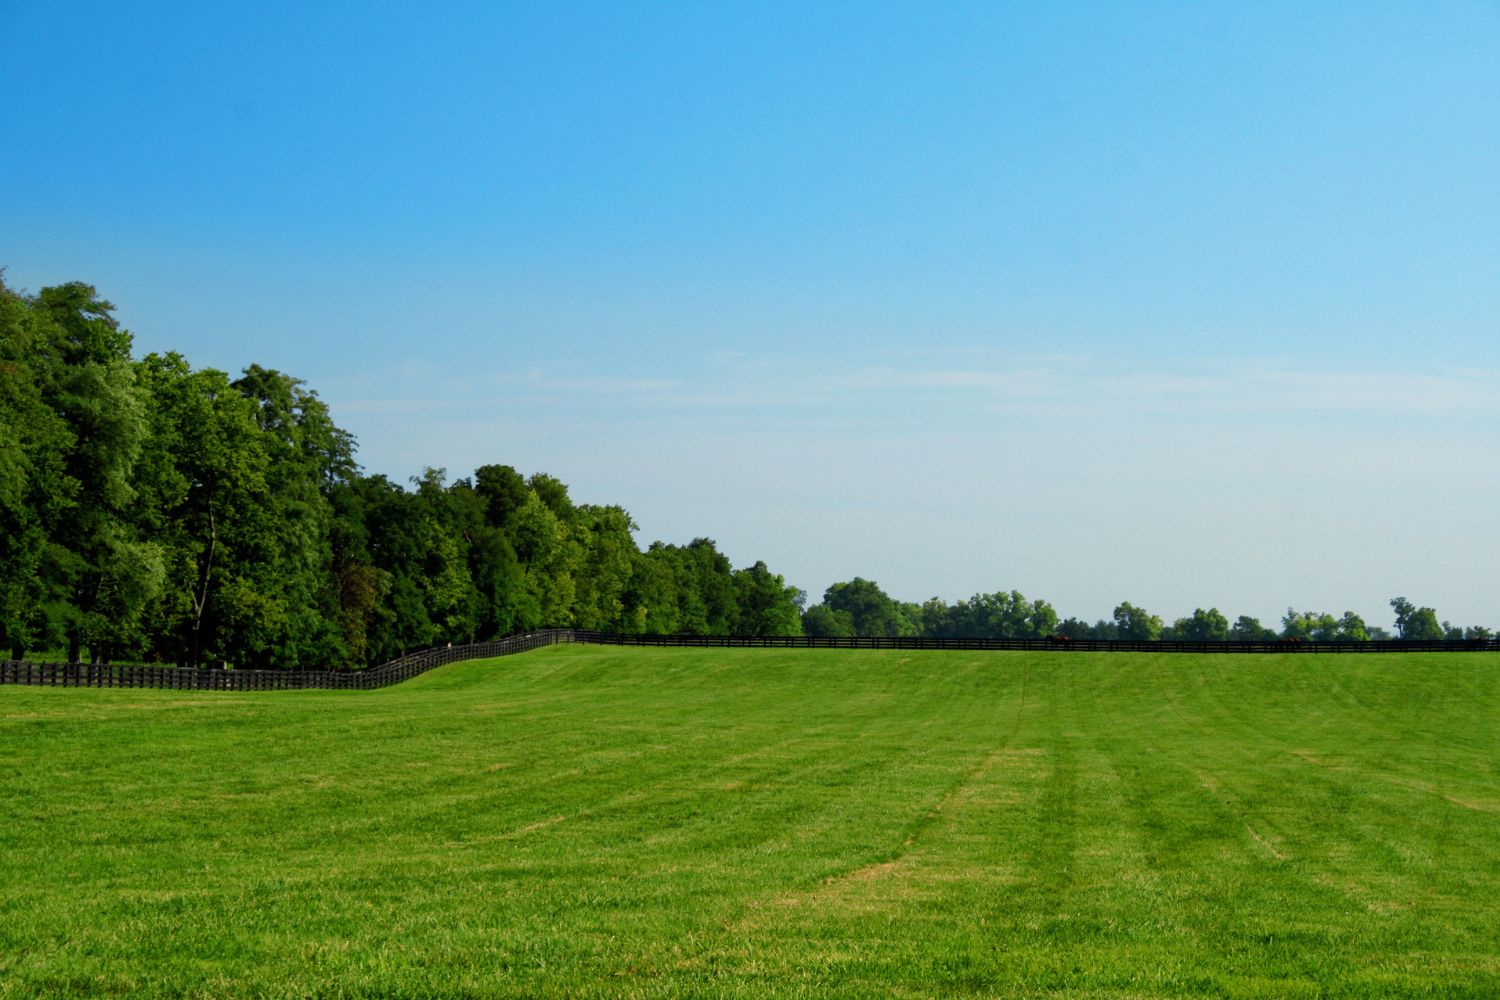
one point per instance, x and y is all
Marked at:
(610, 385)
(1023, 381)
(761, 388)
(1272, 390)
(397, 406)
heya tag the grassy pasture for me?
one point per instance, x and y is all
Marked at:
(585, 821)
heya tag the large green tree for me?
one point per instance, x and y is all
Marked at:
(653, 595)
(284, 605)
(35, 488)
(203, 496)
(869, 610)
(103, 575)
(1413, 622)
(1002, 615)
(1136, 624)
(822, 621)
(153, 510)
(607, 565)
(768, 605)
(1203, 626)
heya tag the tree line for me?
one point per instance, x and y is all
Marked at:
(860, 607)
(152, 511)
(156, 512)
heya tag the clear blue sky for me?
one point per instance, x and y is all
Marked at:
(1179, 304)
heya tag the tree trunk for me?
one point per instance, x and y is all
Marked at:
(200, 596)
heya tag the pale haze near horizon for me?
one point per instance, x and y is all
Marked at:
(1173, 304)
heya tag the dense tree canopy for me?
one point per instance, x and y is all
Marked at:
(152, 511)
(860, 607)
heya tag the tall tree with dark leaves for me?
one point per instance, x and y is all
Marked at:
(1003, 615)
(394, 544)
(709, 592)
(767, 604)
(34, 487)
(493, 568)
(1136, 624)
(204, 489)
(286, 602)
(447, 586)
(363, 588)
(1413, 622)
(550, 552)
(607, 564)
(651, 599)
(1203, 626)
(170, 513)
(105, 575)
(870, 610)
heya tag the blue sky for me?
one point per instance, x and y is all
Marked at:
(1179, 304)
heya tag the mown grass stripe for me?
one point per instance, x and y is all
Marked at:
(597, 821)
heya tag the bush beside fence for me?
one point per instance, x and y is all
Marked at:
(109, 675)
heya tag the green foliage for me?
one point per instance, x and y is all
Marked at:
(860, 607)
(1248, 629)
(1413, 622)
(1320, 626)
(204, 491)
(1203, 626)
(154, 511)
(1075, 628)
(1351, 628)
(98, 577)
(1315, 625)
(767, 604)
(35, 488)
(1136, 624)
(607, 566)
(868, 609)
(1001, 615)
(652, 594)
(822, 621)
(289, 582)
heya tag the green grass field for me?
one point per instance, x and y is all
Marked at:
(586, 821)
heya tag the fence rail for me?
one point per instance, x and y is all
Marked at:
(109, 675)
(105, 675)
(1050, 643)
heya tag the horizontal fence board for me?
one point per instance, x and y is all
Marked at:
(27, 672)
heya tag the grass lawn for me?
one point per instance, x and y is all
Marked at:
(591, 821)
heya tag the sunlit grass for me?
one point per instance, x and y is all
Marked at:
(586, 821)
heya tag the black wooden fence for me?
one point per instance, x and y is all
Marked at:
(1051, 643)
(103, 675)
